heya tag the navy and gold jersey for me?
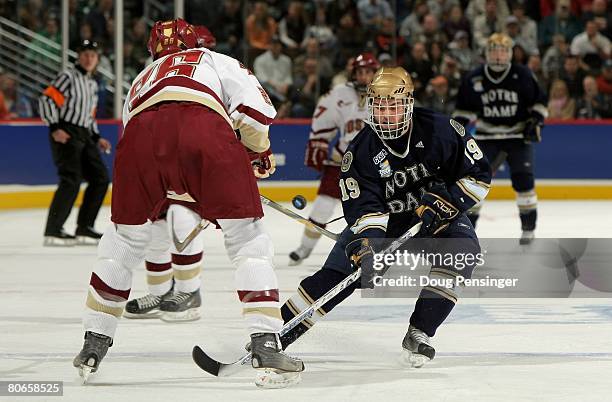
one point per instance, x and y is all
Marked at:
(381, 189)
(500, 106)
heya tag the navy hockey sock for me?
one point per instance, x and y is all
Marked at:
(430, 312)
(310, 290)
(528, 219)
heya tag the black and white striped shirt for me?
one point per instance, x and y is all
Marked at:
(71, 98)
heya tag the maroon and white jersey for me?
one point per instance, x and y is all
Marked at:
(212, 79)
(342, 111)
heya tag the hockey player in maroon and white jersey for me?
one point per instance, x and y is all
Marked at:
(340, 112)
(173, 276)
(196, 133)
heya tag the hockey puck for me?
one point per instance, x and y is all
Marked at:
(299, 202)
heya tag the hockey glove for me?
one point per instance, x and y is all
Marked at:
(361, 255)
(435, 211)
(316, 153)
(264, 163)
(533, 130)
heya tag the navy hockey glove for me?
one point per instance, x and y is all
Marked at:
(359, 251)
(361, 255)
(435, 211)
(533, 130)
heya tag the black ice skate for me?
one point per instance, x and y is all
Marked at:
(277, 369)
(59, 239)
(417, 348)
(145, 307)
(87, 236)
(89, 358)
(298, 256)
(181, 306)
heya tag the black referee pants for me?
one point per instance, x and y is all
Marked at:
(77, 160)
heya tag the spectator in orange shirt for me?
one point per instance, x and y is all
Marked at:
(260, 28)
(604, 80)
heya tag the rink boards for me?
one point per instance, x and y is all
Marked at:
(573, 162)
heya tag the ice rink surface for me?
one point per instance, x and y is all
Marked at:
(488, 350)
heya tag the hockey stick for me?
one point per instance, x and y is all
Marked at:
(218, 369)
(299, 218)
(182, 245)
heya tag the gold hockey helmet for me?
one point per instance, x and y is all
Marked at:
(499, 52)
(390, 102)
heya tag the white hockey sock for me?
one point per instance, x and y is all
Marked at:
(121, 249)
(187, 263)
(527, 201)
(158, 261)
(187, 270)
(250, 250)
(159, 277)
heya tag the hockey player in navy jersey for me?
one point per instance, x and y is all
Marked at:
(407, 165)
(509, 108)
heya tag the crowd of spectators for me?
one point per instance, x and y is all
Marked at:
(299, 49)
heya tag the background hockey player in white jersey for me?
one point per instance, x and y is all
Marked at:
(179, 144)
(508, 106)
(342, 112)
(173, 277)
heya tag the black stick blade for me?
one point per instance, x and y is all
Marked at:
(205, 362)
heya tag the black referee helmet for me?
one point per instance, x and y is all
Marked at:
(88, 45)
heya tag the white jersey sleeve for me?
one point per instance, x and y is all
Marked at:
(325, 122)
(340, 112)
(247, 103)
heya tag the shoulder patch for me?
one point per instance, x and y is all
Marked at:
(347, 159)
(458, 127)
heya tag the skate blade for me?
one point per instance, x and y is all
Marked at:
(85, 371)
(270, 379)
(86, 241)
(55, 242)
(293, 263)
(193, 314)
(414, 360)
(526, 239)
(145, 316)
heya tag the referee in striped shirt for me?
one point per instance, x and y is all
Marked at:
(68, 106)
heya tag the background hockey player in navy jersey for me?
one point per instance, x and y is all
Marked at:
(340, 112)
(404, 167)
(509, 108)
